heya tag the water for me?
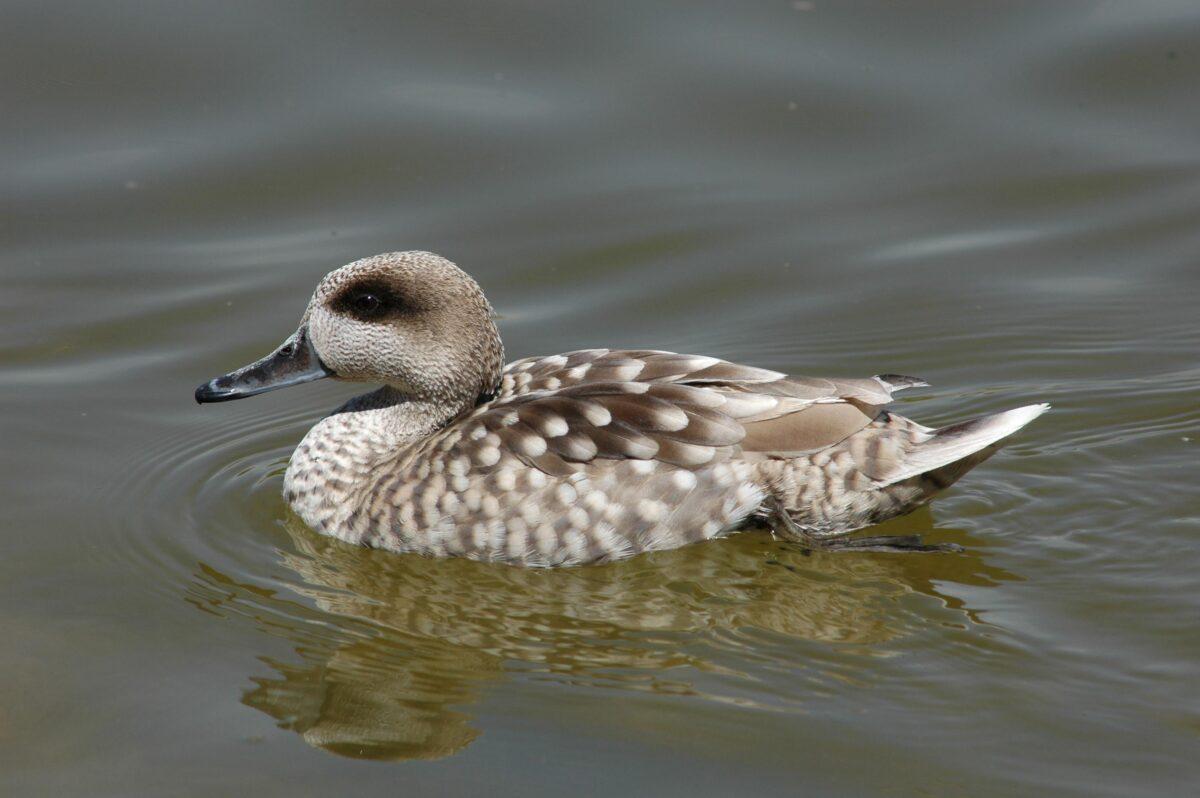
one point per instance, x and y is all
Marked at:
(1000, 198)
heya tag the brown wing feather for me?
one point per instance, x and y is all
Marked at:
(814, 428)
(600, 421)
(560, 411)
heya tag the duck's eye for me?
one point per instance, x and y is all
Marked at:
(367, 304)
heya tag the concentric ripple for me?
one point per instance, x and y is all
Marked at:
(720, 622)
(206, 493)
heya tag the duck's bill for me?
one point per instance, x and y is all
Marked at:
(294, 362)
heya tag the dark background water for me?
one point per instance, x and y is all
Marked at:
(1000, 197)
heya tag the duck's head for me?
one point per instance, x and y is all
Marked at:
(410, 320)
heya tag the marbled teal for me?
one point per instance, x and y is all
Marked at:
(585, 456)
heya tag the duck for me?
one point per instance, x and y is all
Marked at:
(587, 456)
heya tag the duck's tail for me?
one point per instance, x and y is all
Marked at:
(943, 455)
(890, 467)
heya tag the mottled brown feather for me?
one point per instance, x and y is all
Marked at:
(681, 410)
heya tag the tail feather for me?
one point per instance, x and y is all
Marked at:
(956, 443)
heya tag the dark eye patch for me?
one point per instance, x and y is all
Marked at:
(369, 301)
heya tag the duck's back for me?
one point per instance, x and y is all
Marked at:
(599, 454)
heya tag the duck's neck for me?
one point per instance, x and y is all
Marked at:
(334, 464)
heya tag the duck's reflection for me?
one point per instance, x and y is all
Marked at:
(403, 645)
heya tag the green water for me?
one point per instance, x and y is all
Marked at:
(1002, 198)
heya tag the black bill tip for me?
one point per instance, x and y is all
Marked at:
(213, 391)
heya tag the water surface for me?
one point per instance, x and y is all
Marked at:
(1000, 198)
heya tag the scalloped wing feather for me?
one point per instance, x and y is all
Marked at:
(685, 410)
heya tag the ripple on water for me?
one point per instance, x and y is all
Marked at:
(392, 651)
(197, 495)
(747, 621)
